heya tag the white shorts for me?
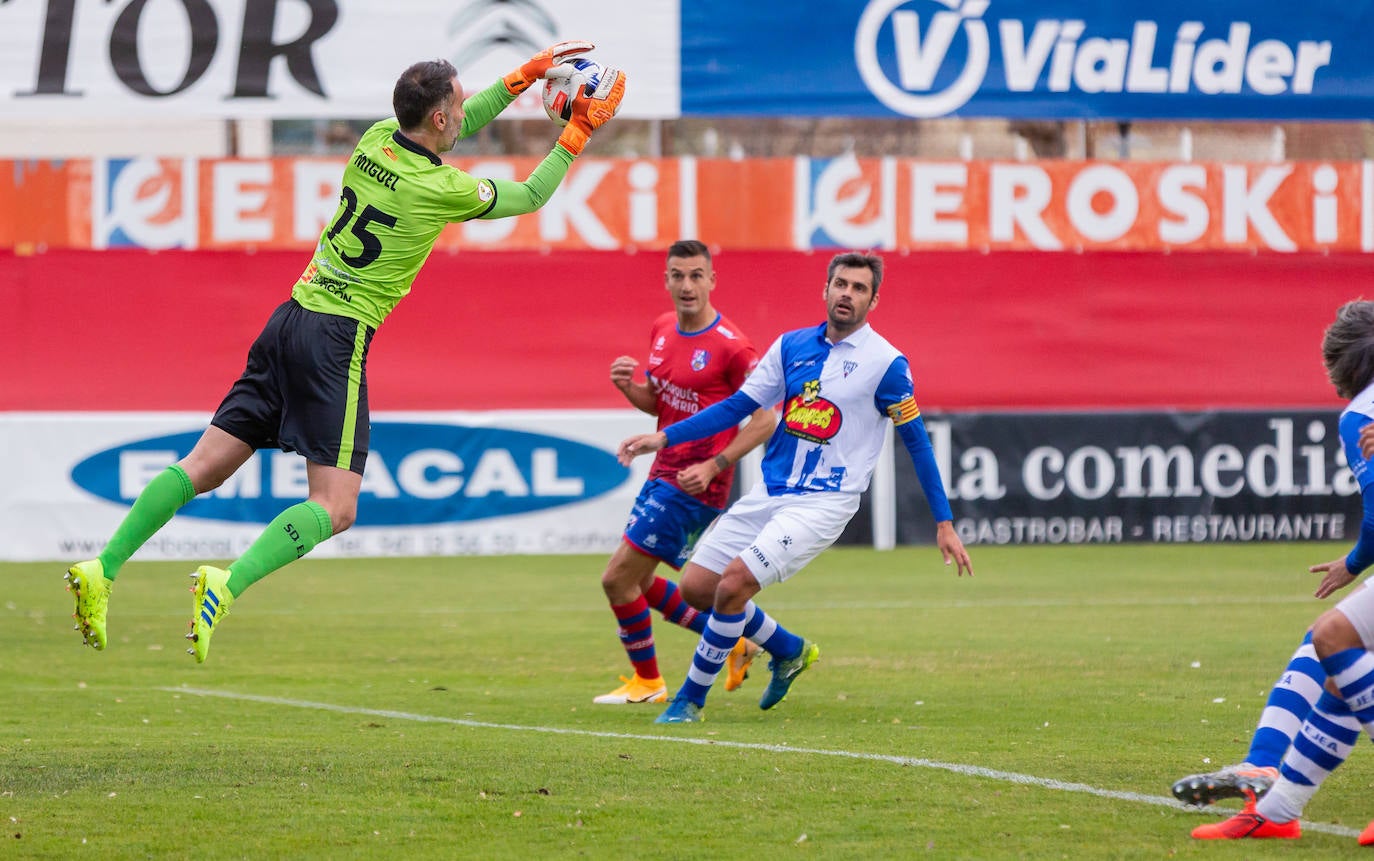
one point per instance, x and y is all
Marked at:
(775, 536)
(1358, 607)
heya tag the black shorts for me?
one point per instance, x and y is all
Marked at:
(304, 389)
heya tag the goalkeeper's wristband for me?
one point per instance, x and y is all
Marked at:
(574, 139)
(516, 82)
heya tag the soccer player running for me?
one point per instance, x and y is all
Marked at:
(696, 358)
(840, 383)
(304, 388)
(1342, 637)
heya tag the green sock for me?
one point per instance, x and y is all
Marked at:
(168, 491)
(291, 535)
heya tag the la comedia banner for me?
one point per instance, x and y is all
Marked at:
(1117, 477)
(1045, 59)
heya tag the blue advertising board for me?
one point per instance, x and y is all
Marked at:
(1031, 59)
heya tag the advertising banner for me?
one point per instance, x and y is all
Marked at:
(435, 484)
(131, 59)
(1065, 59)
(512, 482)
(1121, 477)
(782, 204)
(533, 331)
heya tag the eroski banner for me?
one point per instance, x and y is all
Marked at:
(435, 484)
(1063, 59)
(802, 203)
(1119, 477)
(126, 59)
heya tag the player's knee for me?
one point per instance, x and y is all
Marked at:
(734, 591)
(611, 580)
(1333, 633)
(341, 518)
(698, 586)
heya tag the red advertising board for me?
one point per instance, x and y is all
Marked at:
(133, 330)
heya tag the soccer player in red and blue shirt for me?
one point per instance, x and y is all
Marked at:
(697, 357)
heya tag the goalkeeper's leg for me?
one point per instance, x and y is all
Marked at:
(213, 459)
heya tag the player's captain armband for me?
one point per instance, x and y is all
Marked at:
(904, 411)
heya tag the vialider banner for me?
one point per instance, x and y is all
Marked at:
(1069, 59)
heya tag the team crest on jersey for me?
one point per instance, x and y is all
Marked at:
(810, 416)
(700, 358)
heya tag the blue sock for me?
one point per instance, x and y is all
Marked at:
(1293, 696)
(720, 636)
(1353, 672)
(1325, 741)
(765, 630)
(1328, 736)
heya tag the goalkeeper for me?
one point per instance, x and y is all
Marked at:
(304, 389)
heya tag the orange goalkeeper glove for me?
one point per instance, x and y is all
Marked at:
(591, 112)
(538, 66)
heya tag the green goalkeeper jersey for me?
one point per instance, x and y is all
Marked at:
(396, 198)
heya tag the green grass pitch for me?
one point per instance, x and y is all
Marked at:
(441, 708)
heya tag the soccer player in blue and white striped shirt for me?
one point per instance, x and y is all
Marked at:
(839, 383)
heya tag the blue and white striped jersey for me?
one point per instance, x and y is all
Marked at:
(1356, 415)
(836, 402)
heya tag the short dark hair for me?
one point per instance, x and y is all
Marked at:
(423, 87)
(856, 260)
(1348, 348)
(689, 248)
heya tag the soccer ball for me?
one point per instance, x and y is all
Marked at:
(560, 92)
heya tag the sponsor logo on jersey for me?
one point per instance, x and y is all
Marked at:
(389, 153)
(850, 367)
(417, 474)
(810, 416)
(700, 358)
(485, 191)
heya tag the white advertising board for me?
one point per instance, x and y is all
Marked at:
(128, 59)
(435, 484)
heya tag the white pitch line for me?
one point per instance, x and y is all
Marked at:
(912, 762)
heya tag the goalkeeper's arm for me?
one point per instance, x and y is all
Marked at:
(519, 198)
(589, 113)
(482, 107)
